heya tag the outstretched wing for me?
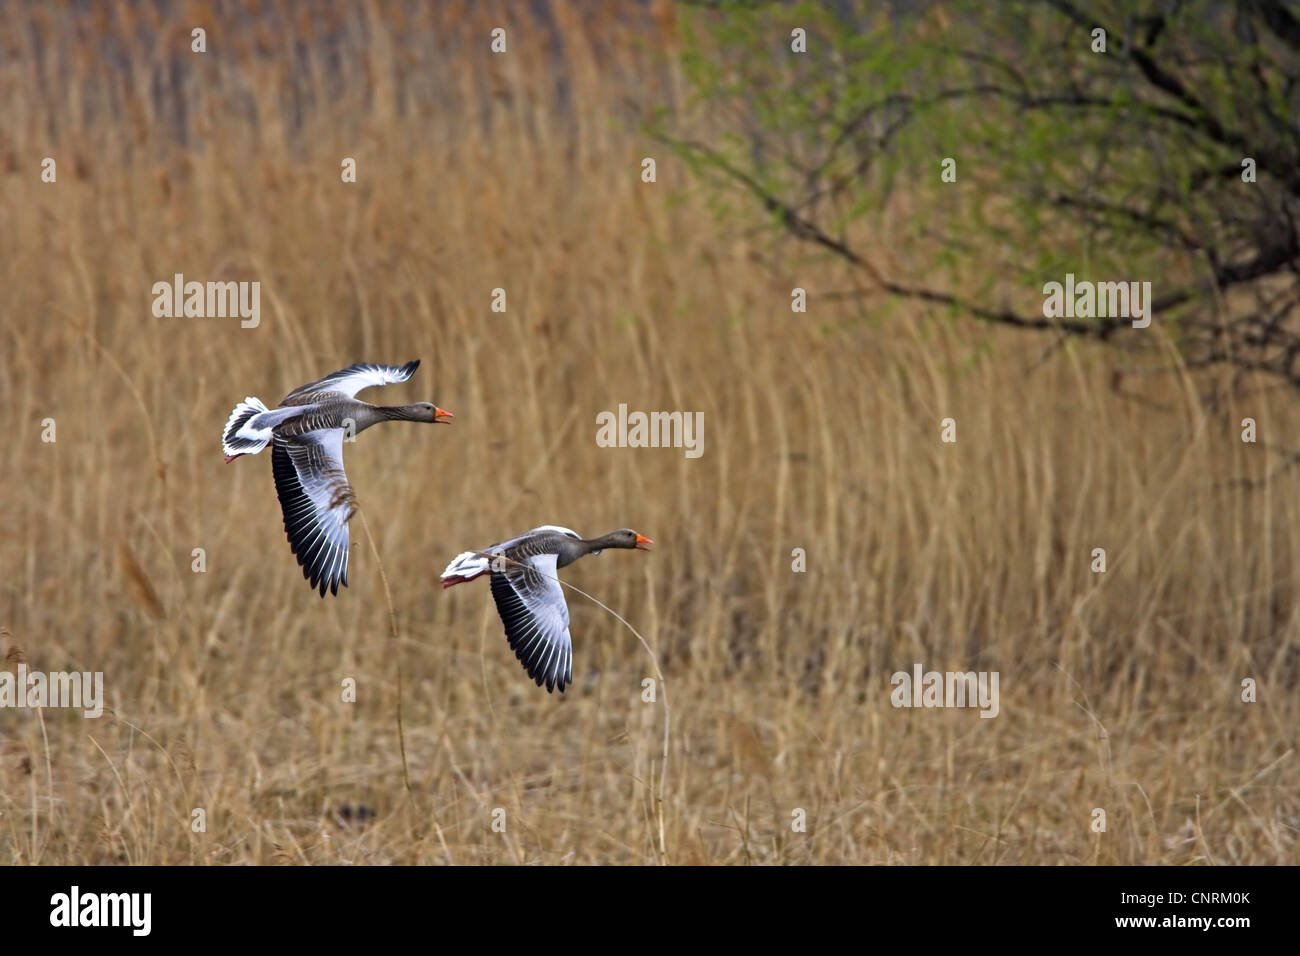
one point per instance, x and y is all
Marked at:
(532, 607)
(317, 502)
(348, 381)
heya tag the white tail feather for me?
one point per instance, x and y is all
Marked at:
(239, 437)
(467, 565)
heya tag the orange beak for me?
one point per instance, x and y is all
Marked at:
(643, 543)
(442, 416)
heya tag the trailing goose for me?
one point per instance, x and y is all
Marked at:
(528, 594)
(306, 433)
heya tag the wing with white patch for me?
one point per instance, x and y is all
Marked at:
(539, 530)
(348, 381)
(536, 617)
(317, 502)
(556, 528)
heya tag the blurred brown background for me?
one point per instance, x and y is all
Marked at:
(522, 171)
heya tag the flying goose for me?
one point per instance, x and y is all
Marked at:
(528, 594)
(306, 433)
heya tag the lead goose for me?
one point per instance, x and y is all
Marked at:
(528, 594)
(306, 433)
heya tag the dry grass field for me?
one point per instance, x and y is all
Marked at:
(1119, 690)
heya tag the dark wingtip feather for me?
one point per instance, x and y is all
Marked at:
(320, 575)
(531, 653)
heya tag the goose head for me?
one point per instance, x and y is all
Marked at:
(623, 538)
(429, 412)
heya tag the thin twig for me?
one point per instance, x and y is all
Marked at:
(397, 643)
